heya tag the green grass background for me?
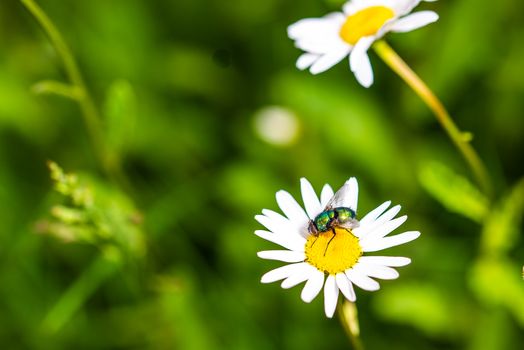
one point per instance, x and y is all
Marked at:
(179, 83)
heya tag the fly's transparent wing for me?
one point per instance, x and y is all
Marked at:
(351, 224)
(339, 197)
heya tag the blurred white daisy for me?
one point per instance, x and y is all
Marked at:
(329, 39)
(337, 257)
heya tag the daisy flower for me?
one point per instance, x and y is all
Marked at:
(333, 254)
(329, 39)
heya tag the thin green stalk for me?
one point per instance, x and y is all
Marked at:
(348, 315)
(459, 138)
(90, 113)
(77, 294)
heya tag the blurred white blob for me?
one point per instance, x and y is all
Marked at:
(276, 125)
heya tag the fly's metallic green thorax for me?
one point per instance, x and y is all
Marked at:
(330, 218)
(323, 219)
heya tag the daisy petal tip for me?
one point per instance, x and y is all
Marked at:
(260, 233)
(300, 67)
(306, 298)
(260, 218)
(410, 236)
(291, 31)
(351, 180)
(352, 183)
(330, 313)
(264, 279)
(434, 16)
(365, 78)
(281, 194)
(366, 82)
(315, 71)
(371, 288)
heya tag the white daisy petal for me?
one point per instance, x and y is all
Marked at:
(352, 197)
(281, 223)
(330, 296)
(374, 214)
(362, 280)
(393, 261)
(353, 6)
(280, 273)
(311, 202)
(315, 27)
(413, 21)
(376, 271)
(273, 215)
(349, 8)
(291, 242)
(292, 210)
(359, 61)
(318, 35)
(388, 242)
(313, 286)
(326, 195)
(300, 275)
(306, 60)
(385, 229)
(329, 59)
(388, 215)
(271, 225)
(318, 46)
(345, 286)
(282, 255)
(401, 7)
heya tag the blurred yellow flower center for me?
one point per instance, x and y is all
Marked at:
(365, 22)
(333, 253)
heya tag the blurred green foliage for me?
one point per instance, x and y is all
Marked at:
(179, 84)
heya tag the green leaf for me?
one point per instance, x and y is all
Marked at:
(498, 282)
(501, 230)
(453, 191)
(120, 114)
(423, 306)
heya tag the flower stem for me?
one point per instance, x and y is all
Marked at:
(90, 113)
(348, 316)
(459, 138)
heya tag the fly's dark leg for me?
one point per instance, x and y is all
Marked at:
(327, 245)
(315, 241)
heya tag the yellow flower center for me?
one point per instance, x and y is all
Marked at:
(365, 22)
(333, 253)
